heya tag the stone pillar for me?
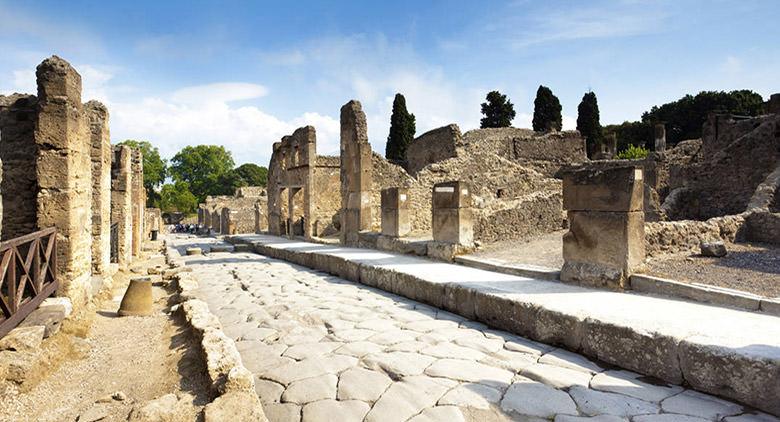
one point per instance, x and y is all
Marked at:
(97, 118)
(611, 145)
(452, 216)
(773, 106)
(138, 198)
(261, 220)
(122, 203)
(395, 212)
(152, 221)
(64, 174)
(606, 238)
(356, 173)
(660, 137)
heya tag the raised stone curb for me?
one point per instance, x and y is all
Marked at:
(644, 283)
(231, 382)
(654, 336)
(522, 270)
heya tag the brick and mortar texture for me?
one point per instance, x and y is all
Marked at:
(138, 198)
(101, 154)
(122, 203)
(64, 174)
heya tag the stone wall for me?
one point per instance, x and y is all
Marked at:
(433, 146)
(250, 192)
(665, 237)
(18, 152)
(735, 156)
(101, 154)
(64, 174)
(326, 203)
(122, 203)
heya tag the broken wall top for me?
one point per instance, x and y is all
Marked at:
(616, 186)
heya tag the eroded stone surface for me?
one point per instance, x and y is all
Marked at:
(384, 357)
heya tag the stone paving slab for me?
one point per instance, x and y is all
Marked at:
(320, 376)
(713, 349)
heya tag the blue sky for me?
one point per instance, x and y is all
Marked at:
(242, 74)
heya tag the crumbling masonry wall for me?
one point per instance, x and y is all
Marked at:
(356, 174)
(303, 188)
(97, 116)
(64, 174)
(122, 203)
(138, 198)
(18, 152)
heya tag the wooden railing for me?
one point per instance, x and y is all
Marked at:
(27, 275)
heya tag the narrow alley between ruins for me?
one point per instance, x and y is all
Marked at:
(322, 348)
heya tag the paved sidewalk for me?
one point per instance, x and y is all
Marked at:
(327, 349)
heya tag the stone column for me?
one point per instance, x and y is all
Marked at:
(97, 117)
(606, 238)
(64, 174)
(452, 216)
(395, 212)
(356, 173)
(660, 137)
(122, 203)
(611, 145)
(138, 199)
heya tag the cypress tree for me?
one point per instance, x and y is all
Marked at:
(498, 111)
(547, 111)
(588, 121)
(402, 129)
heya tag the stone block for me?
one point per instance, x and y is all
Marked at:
(453, 225)
(454, 194)
(395, 198)
(603, 248)
(395, 222)
(50, 316)
(603, 188)
(23, 339)
(747, 373)
(618, 345)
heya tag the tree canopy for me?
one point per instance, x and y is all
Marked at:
(547, 111)
(206, 168)
(177, 197)
(498, 111)
(684, 117)
(588, 121)
(402, 129)
(250, 174)
(155, 168)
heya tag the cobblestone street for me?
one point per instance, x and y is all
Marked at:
(325, 349)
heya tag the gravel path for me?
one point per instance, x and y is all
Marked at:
(324, 349)
(545, 250)
(753, 268)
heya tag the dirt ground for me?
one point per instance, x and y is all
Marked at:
(141, 357)
(749, 267)
(544, 250)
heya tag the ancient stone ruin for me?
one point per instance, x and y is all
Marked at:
(234, 214)
(60, 171)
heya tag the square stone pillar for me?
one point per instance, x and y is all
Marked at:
(452, 216)
(395, 212)
(356, 173)
(122, 203)
(97, 118)
(139, 199)
(773, 105)
(660, 137)
(64, 174)
(606, 238)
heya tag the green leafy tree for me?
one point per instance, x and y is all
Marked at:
(177, 197)
(402, 129)
(206, 168)
(498, 111)
(630, 133)
(633, 152)
(684, 117)
(547, 111)
(155, 168)
(250, 174)
(588, 121)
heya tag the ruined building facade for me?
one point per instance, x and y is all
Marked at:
(59, 171)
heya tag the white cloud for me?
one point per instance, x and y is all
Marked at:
(732, 65)
(177, 121)
(223, 92)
